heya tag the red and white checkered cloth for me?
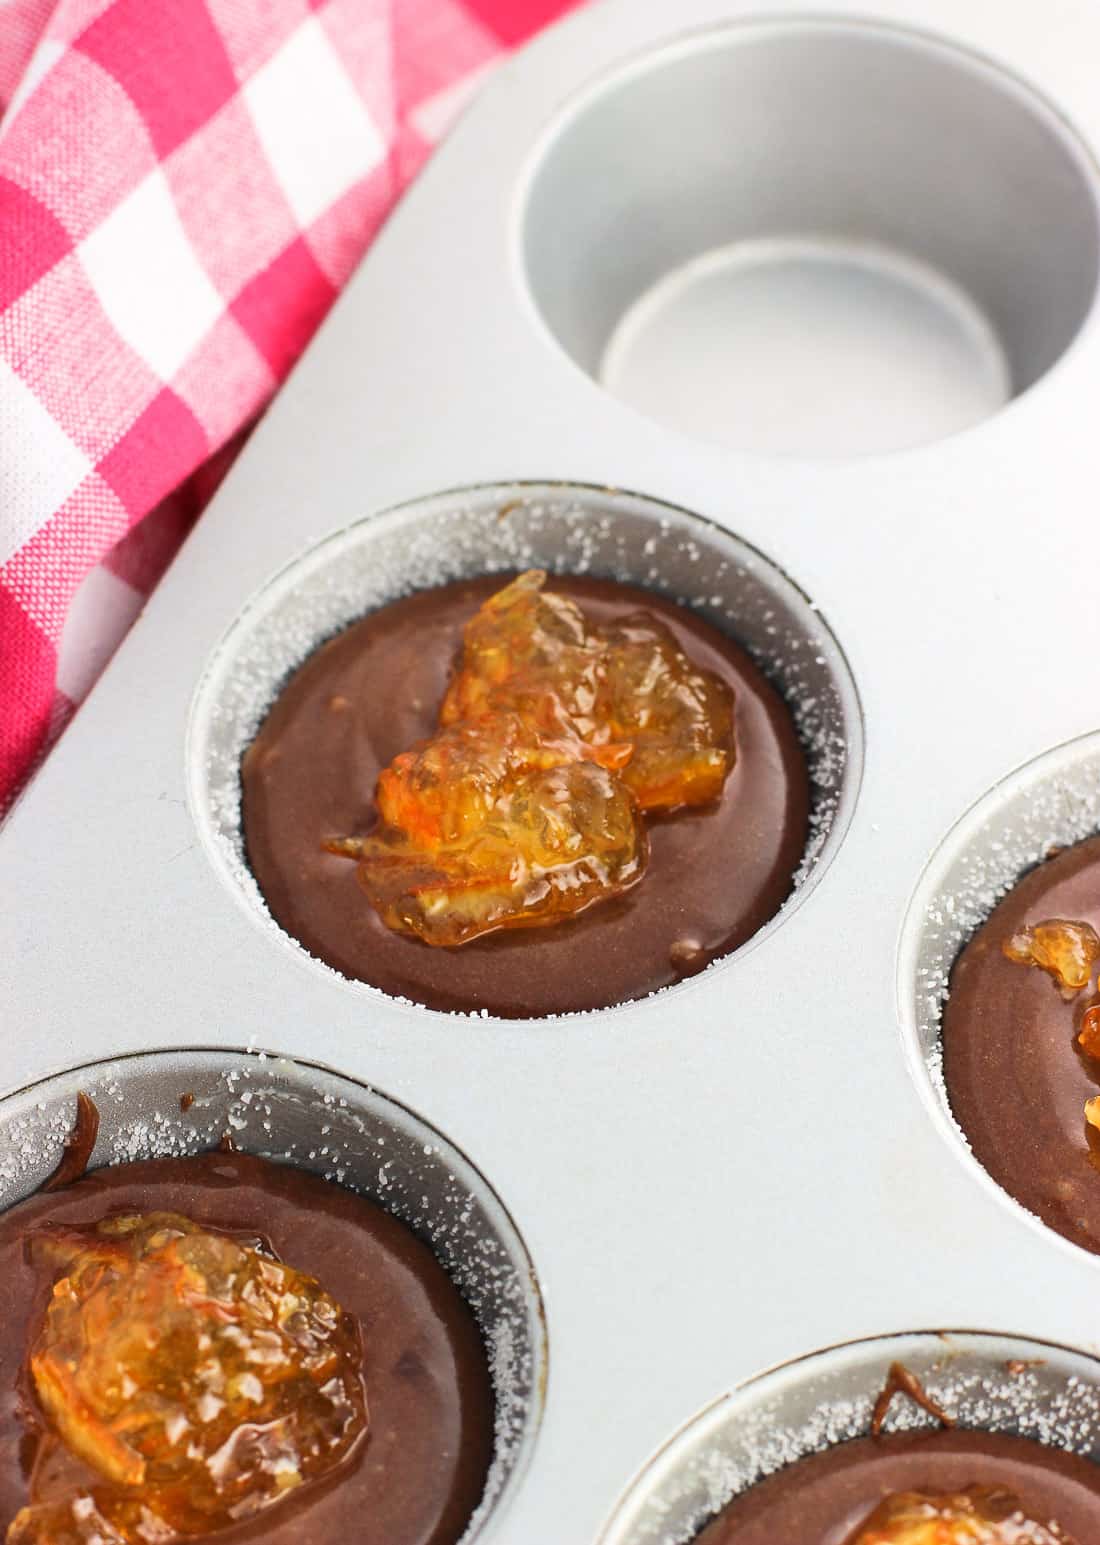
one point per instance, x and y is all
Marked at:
(184, 187)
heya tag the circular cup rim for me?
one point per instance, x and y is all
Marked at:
(302, 564)
(731, 32)
(498, 1215)
(666, 1457)
(979, 815)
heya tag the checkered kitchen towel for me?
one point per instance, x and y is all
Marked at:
(184, 187)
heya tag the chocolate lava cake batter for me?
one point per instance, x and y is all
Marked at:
(829, 1498)
(716, 873)
(1018, 1077)
(410, 1473)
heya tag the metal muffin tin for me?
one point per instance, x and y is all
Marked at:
(756, 1164)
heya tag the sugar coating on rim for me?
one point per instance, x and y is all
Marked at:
(1040, 1403)
(318, 597)
(1051, 807)
(246, 1101)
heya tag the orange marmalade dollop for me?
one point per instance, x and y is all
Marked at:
(525, 806)
(979, 1516)
(1065, 950)
(188, 1381)
(1089, 1035)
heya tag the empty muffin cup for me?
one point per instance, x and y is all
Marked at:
(820, 238)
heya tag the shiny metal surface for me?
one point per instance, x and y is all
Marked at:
(718, 1180)
(812, 237)
(808, 347)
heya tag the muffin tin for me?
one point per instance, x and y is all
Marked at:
(758, 1163)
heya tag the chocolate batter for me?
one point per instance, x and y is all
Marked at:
(420, 1475)
(716, 875)
(822, 1500)
(1016, 1079)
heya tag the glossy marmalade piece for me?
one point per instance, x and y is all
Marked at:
(527, 844)
(529, 651)
(189, 1381)
(523, 809)
(625, 690)
(444, 791)
(978, 1516)
(1066, 950)
(1089, 1036)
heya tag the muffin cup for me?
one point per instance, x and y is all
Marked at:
(297, 1113)
(567, 529)
(1004, 1384)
